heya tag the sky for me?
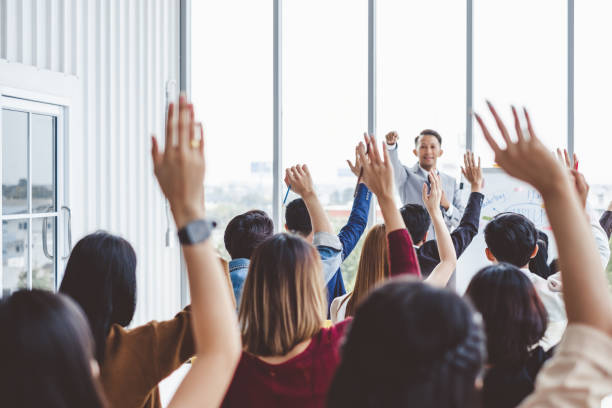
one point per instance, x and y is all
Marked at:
(520, 57)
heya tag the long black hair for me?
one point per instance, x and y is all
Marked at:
(410, 344)
(101, 278)
(514, 316)
(46, 353)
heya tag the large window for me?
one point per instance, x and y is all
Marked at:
(31, 199)
(325, 97)
(232, 90)
(520, 58)
(593, 87)
(421, 75)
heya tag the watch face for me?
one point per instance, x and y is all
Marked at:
(196, 231)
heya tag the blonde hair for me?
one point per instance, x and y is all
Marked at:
(373, 267)
(283, 299)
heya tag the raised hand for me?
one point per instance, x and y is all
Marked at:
(526, 159)
(355, 169)
(581, 185)
(298, 177)
(564, 159)
(432, 199)
(180, 168)
(472, 172)
(392, 138)
(377, 173)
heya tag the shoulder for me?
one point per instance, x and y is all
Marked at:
(333, 335)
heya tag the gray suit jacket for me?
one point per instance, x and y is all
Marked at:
(409, 182)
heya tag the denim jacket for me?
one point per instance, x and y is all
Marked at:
(349, 236)
(238, 269)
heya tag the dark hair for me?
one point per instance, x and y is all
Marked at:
(539, 263)
(417, 221)
(514, 317)
(46, 351)
(428, 132)
(245, 231)
(511, 238)
(297, 217)
(410, 344)
(101, 277)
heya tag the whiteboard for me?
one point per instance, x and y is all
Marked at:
(502, 193)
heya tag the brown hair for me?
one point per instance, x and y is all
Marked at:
(283, 300)
(373, 267)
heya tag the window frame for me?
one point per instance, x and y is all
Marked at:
(15, 102)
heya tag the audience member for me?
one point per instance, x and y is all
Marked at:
(298, 220)
(606, 220)
(515, 321)
(101, 277)
(289, 360)
(47, 353)
(539, 263)
(242, 235)
(579, 373)
(418, 221)
(512, 238)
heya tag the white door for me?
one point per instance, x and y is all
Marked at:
(35, 222)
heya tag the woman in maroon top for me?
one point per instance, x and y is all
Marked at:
(289, 359)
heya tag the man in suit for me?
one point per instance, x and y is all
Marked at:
(409, 181)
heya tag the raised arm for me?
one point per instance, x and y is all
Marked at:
(399, 171)
(448, 258)
(298, 177)
(378, 176)
(586, 295)
(180, 172)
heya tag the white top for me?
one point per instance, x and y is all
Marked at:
(555, 306)
(337, 310)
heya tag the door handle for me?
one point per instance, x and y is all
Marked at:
(69, 233)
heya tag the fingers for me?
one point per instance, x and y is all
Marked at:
(424, 193)
(184, 122)
(374, 153)
(155, 155)
(192, 127)
(385, 154)
(568, 162)
(532, 134)
(559, 155)
(353, 168)
(575, 161)
(487, 135)
(517, 125)
(361, 153)
(201, 146)
(169, 122)
(305, 170)
(464, 173)
(500, 124)
(479, 163)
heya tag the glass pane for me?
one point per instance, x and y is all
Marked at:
(14, 162)
(43, 253)
(421, 75)
(325, 98)
(524, 67)
(232, 92)
(43, 163)
(593, 87)
(14, 256)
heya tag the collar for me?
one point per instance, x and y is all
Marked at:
(425, 173)
(238, 263)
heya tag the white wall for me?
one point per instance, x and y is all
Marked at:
(108, 61)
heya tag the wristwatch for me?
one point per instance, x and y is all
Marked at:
(196, 231)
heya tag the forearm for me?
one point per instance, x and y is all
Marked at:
(448, 258)
(584, 284)
(391, 215)
(318, 217)
(214, 319)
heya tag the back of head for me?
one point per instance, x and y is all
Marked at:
(283, 300)
(46, 351)
(511, 238)
(373, 267)
(245, 231)
(101, 277)
(514, 317)
(539, 263)
(410, 344)
(297, 217)
(417, 220)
